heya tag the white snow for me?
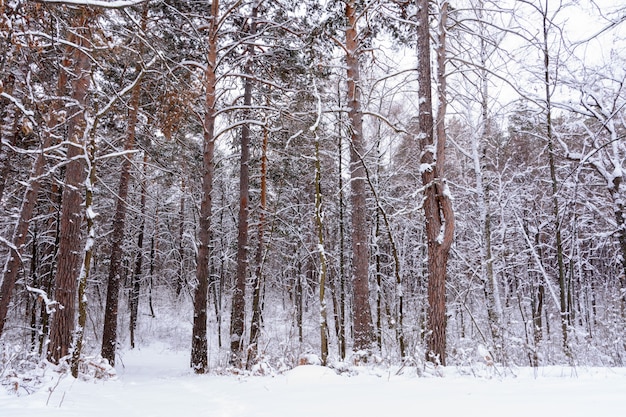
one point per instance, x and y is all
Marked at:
(157, 382)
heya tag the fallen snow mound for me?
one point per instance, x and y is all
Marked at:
(310, 373)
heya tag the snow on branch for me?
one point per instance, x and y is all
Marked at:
(44, 297)
(103, 4)
(9, 245)
(315, 125)
(18, 104)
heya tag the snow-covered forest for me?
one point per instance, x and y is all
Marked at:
(262, 184)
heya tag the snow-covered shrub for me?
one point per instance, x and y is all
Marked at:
(21, 371)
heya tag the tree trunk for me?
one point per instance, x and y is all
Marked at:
(49, 259)
(180, 279)
(70, 242)
(341, 296)
(363, 329)
(109, 333)
(136, 281)
(319, 223)
(554, 182)
(490, 285)
(199, 344)
(257, 291)
(84, 276)
(29, 201)
(437, 204)
(237, 322)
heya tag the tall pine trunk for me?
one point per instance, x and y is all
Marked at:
(364, 339)
(437, 204)
(70, 253)
(237, 321)
(199, 344)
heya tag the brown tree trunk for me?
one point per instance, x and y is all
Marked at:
(437, 205)
(70, 254)
(29, 201)
(109, 333)
(363, 329)
(199, 345)
(237, 322)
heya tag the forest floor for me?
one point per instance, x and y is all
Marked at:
(155, 381)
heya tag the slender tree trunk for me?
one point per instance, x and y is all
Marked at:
(154, 243)
(339, 282)
(109, 333)
(199, 344)
(49, 259)
(554, 182)
(379, 282)
(70, 241)
(237, 322)
(437, 204)
(363, 329)
(257, 291)
(298, 294)
(5, 151)
(136, 281)
(319, 223)
(84, 276)
(490, 285)
(180, 279)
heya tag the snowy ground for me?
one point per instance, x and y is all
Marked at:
(157, 382)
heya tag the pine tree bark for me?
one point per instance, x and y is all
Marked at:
(438, 211)
(70, 254)
(29, 201)
(199, 344)
(362, 321)
(237, 322)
